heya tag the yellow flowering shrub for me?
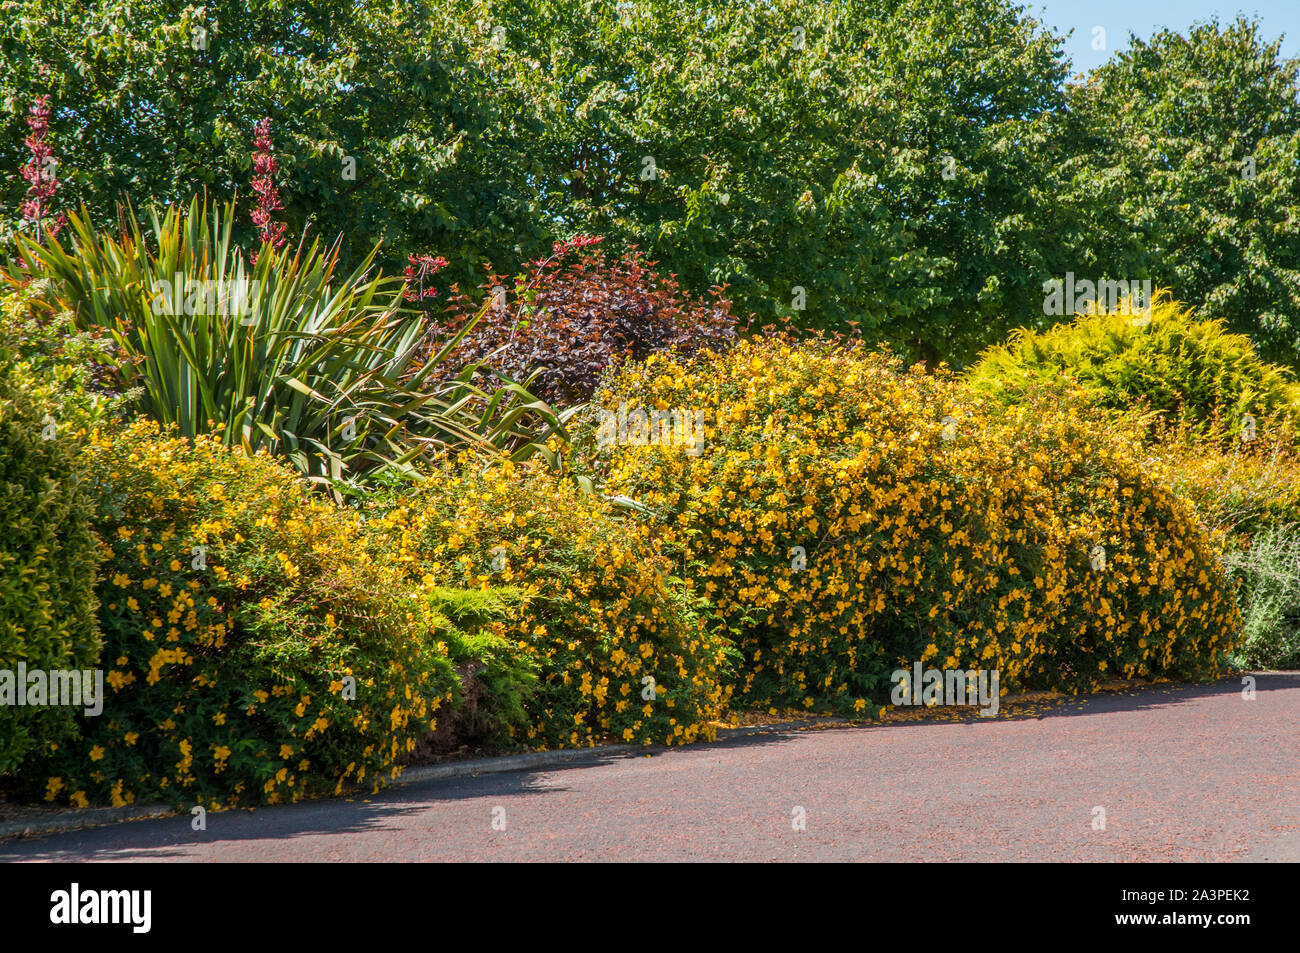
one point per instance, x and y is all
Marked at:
(619, 649)
(847, 516)
(1238, 487)
(255, 650)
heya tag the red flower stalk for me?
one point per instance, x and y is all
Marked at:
(268, 196)
(427, 265)
(40, 170)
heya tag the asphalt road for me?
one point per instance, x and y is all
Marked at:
(1182, 773)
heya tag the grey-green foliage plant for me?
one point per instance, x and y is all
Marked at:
(1269, 570)
(287, 355)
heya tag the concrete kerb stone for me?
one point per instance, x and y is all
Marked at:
(78, 819)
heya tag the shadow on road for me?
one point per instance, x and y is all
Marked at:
(174, 838)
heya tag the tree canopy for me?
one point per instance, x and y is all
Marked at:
(916, 167)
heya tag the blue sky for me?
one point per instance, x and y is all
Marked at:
(1145, 17)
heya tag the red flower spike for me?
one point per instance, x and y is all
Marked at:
(268, 197)
(421, 267)
(40, 170)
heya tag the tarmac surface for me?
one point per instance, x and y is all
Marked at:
(1182, 773)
